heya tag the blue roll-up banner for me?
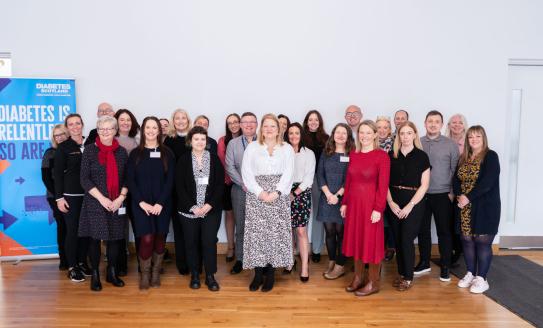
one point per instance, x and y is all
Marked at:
(29, 108)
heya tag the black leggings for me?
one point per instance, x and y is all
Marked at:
(61, 229)
(334, 241)
(113, 247)
(478, 253)
(75, 247)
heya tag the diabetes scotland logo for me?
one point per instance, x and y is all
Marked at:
(54, 89)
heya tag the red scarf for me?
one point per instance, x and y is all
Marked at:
(106, 157)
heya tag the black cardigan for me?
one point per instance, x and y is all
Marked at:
(484, 197)
(67, 168)
(185, 184)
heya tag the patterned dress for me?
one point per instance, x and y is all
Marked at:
(267, 238)
(467, 174)
(95, 221)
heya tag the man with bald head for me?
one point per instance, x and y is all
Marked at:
(353, 117)
(103, 110)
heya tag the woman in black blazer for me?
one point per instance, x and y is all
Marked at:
(199, 178)
(477, 187)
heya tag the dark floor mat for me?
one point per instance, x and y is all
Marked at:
(516, 283)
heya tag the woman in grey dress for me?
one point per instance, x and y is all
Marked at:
(103, 213)
(331, 173)
(267, 171)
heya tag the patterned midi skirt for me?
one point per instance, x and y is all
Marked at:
(268, 233)
(300, 207)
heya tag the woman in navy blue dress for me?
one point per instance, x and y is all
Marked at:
(150, 176)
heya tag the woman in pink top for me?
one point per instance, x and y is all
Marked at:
(232, 131)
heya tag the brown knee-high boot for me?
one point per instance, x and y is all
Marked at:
(155, 269)
(372, 286)
(358, 278)
(145, 268)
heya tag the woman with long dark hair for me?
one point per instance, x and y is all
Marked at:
(233, 130)
(315, 138)
(150, 178)
(300, 195)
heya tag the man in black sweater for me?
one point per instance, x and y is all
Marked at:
(103, 109)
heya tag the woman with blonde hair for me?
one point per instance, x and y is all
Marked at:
(409, 181)
(366, 188)
(58, 135)
(456, 130)
(176, 140)
(268, 172)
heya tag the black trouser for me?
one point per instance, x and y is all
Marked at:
(61, 230)
(179, 239)
(113, 250)
(405, 231)
(438, 205)
(122, 263)
(201, 241)
(456, 240)
(75, 247)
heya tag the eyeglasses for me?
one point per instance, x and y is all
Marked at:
(106, 130)
(234, 123)
(105, 111)
(247, 123)
(355, 114)
(59, 135)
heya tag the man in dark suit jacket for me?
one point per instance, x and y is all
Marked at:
(103, 109)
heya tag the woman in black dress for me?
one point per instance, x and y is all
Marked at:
(199, 181)
(150, 178)
(103, 215)
(409, 180)
(58, 135)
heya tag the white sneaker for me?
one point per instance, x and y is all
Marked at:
(466, 281)
(479, 285)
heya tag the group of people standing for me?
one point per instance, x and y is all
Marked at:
(370, 193)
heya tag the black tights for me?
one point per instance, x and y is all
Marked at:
(478, 253)
(113, 249)
(334, 240)
(151, 243)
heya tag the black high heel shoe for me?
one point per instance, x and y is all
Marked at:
(287, 271)
(230, 258)
(304, 279)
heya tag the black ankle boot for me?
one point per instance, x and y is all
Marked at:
(257, 280)
(194, 280)
(112, 277)
(211, 283)
(95, 284)
(270, 279)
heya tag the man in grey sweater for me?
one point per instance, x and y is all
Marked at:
(443, 154)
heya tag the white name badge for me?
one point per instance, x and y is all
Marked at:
(122, 210)
(203, 181)
(155, 154)
(344, 159)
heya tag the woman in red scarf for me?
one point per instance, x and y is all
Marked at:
(103, 214)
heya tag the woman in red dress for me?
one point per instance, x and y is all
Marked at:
(362, 207)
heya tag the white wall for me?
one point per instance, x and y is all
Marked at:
(216, 57)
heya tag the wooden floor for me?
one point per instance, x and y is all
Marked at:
(35, 293)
